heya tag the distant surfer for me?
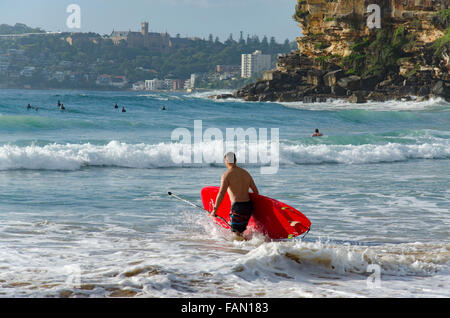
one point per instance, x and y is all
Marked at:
(116, 106)
(28, 106)
(123, 110)
(62, 107)
(59, 103)
(163, 108)
(317, 133)
(237, 182)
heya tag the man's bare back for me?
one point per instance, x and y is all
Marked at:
(238, 182)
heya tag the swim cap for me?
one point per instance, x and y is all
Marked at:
(230, 157)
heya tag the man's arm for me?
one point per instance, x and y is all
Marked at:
(253, 186)
(223, 190)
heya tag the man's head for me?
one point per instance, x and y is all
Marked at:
(317, 130)
(230, 159)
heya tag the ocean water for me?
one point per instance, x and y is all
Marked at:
(84, 210)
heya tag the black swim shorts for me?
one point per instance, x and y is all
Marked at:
(240, 215)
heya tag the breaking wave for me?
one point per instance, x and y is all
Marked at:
(406, 259)
(151, 156)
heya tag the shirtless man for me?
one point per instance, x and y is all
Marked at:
(237, 182)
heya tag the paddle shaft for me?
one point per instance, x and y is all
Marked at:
(188, 202)
(195, 205)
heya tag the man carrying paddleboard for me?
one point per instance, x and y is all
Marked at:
(237, 182)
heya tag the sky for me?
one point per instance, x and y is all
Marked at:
(187, 17)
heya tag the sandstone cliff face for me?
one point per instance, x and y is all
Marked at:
(332, 27)
(339, 56)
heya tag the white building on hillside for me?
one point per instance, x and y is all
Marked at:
(139, 86)
(154, 85)
(189, 84)
(255, 63)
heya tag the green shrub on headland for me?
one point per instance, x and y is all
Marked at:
(378, 53)
(442, 44)
(442, 19)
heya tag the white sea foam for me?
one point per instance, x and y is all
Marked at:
(362, 154)
(207, 94)
(197, 266)
(148, 156)
(411, 259)
(154, 96)
(393, 105)
(317, 269)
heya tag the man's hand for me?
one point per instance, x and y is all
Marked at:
(214, 212)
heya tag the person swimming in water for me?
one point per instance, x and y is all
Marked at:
(317, 133)
(28, 106)
(123, 109)
(62, 107)
(116, 106)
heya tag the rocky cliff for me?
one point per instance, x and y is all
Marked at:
(356, 49)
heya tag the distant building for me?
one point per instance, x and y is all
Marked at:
(168, 84)
(193, 80)
(155, 42)
(177, 84)
(189, 84)
(157, 85)
(118, 36)
(139, 86)
(255, 63)
(59, 76)
(89, 77)
(73, 76)
(119, 81)
(109, 80)
(28, 71)
(154, 84)
(104, 80)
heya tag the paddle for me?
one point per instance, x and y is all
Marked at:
(195, 205)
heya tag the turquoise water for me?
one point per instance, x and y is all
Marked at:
(84, 210)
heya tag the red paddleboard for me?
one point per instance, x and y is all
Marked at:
(270, 217)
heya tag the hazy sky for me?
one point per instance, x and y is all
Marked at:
(187, 17)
